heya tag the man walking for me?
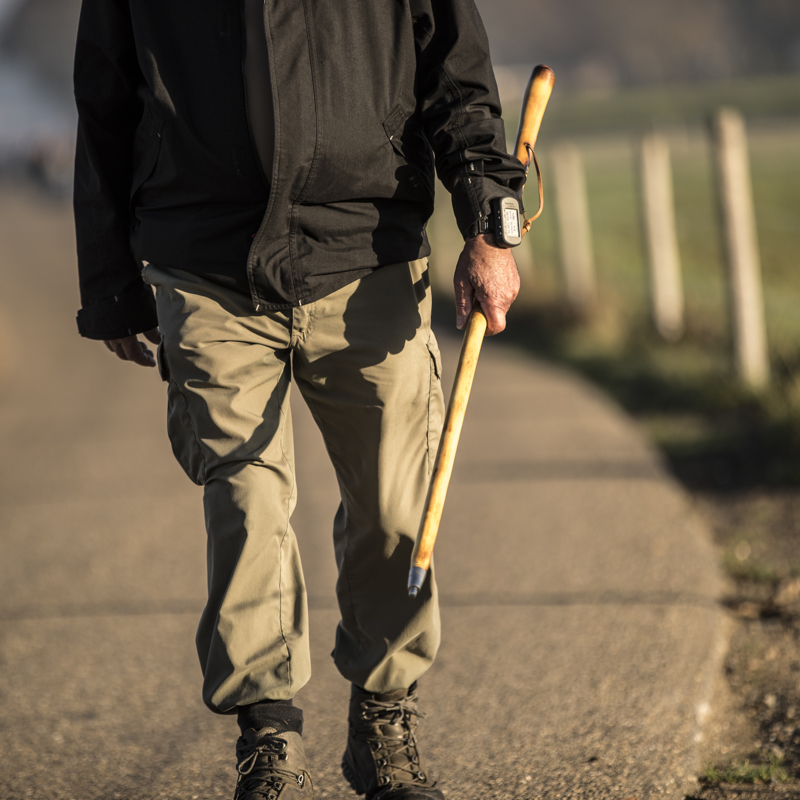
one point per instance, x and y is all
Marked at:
(268, 168)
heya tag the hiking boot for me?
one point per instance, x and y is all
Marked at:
(272, 766)
(381, 759)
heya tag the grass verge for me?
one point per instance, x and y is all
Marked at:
(745, 772)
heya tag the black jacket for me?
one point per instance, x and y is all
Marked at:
(367, 93)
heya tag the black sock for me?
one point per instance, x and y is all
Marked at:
(279, 714)
(385, 697)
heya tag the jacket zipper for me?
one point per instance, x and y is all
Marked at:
(270, 197)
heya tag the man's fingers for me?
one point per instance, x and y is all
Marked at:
(129, 348)
(115, 345)
(138, 352)
(488, 274)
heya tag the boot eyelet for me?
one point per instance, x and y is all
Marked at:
(301, 779)
(421, 776)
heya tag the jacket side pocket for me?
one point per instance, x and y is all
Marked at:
(412, 148)
(146, 147)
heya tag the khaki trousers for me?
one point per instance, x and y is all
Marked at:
(368, 366)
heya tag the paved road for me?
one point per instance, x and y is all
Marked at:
(582, 637)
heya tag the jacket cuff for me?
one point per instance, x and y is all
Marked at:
(472, 203)
(128, 313)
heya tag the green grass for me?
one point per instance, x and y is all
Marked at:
(745, 772)
(748, 571)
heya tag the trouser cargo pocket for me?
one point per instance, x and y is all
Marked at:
(161, 360)
(182, 435)
(435, 401)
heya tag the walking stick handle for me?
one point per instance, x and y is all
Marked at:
(537, 94)
(443, 467)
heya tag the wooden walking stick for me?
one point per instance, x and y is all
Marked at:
(536, 96)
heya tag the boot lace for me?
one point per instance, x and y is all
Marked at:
(259, 772)
(395, 755)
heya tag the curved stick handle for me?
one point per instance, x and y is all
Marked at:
(443, 467)
(537, 94)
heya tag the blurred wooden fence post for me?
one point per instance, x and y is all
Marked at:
(575, 237)
(666, 288)
(741, 248)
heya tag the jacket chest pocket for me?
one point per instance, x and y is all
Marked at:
(146, 147)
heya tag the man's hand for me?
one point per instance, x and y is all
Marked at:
(488, 274)
(129, 348)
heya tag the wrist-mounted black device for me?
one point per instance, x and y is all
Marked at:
(503, 222)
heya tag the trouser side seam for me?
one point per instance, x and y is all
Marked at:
(280, 551)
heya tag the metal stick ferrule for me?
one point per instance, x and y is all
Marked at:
(416, 577)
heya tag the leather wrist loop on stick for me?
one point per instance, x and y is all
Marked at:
(532, 158)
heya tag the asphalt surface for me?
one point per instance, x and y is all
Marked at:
(582, 637)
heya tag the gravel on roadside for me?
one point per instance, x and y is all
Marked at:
(757, 719)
